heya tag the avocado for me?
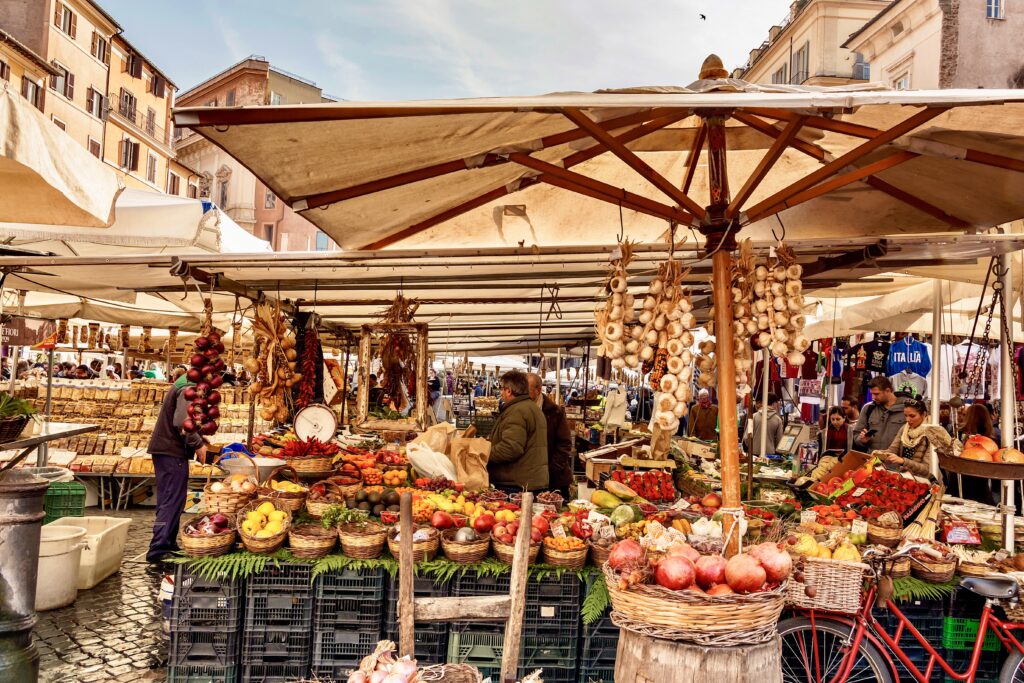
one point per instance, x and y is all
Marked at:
(377, 509)
(373, 498)
(350, 502)
(363, 506)
(394, 508)
(391, 498)
(360, 496)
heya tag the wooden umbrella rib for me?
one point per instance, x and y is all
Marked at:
(633, 161)
(915, 202)
(995, 160)
(780, 198)
(765, 165)
(835, 183)
(819, 122)
(695, 151)
(771, 131)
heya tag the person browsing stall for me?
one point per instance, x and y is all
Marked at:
(910, 448)
(881, 419)
(519, 439)
(559, 437)
(838, 434)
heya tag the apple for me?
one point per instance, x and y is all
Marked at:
(442, 520)
(536, 536)
(712, 500)
(499, 530)
(484, 523)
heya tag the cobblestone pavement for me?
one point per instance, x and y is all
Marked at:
(112, 632)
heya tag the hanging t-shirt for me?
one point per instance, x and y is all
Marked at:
(908, 354)
(876, 355)
(988, 382)
(909, 382)
(809, 370)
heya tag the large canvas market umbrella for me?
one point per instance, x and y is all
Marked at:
(46, 176)
(723, 157)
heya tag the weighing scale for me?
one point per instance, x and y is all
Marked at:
(793, 436)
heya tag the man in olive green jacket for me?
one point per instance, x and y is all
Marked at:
(519, 441)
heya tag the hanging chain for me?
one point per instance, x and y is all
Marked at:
(975, 377)
(1007, 340)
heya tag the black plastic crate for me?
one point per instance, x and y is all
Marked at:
(989, 665)
(431, 637)
(201, 604)
(274, 673)
(553, 674)
(598, 649)
(552, 604)
(280, 596)
(277, 645)
(204, 648)
(928, 618)
(549, 652)
(335, 653)
(350, 599)
(192, 673)
(596, 674)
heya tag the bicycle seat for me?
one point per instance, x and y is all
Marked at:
(996, 587)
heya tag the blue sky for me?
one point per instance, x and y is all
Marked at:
(417, 49)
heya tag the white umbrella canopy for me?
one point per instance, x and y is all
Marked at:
(490, 172)
(46, 176)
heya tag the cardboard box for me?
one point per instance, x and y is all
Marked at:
(853, 460)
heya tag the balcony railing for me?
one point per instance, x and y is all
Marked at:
(131, 113)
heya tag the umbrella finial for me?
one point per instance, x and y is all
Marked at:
(712, 68)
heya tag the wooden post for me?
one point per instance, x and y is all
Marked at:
(558, 377)
(422, 363)
(517, 589)
(363, 395)
(344, 379)
(406, 618)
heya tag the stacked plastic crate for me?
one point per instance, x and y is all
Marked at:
(278, 624)
(347, 620)
(960, 630)
(431, 637)
(927, 617)
(598, 644)
(551, 627)
(205, 629)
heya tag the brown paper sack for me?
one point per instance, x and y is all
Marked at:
(470, 458)
(661, 443)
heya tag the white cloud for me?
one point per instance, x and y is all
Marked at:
(348, 80)
(232, 40)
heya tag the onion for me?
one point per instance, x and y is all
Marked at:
(198, 360)
(213, 412)
(213, 398)
(404, 667)
(675, 572)
(202, 343)
(710, 570)
(744, 574)
(625, 553)
(357, 676)
(378, 676)
(208, 428)
(194, 375)
(188, 425)
(216, 381)
(189, 393)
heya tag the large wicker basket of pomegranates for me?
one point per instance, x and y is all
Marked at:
(704, 599)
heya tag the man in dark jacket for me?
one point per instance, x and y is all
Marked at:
(559, 438)
(519, 439)
(172, 449)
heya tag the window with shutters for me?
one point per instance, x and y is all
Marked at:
(781, 75)
(158, 86)
(133, 65)
(5, 71)
(276, 98)
(229, 99)
(127, 105)
(193, 191)
(128, 155)
(94, 148)
(100, 48)
(269, 200)
(59, 80)
(94, 102)
(60, 124)
(173, 183)
(222, 194)
(151, 168)
(800, 64)
(31, 91)
(151, 120)
(65, 19)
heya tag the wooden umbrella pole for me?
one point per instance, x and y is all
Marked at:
(728, 437)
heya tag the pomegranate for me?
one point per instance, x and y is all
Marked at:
(625, 553)
(696, 589)
(744, 574)
(710, 571)
(721, 589)
(1011, 455)
(975, 452)
(684, 550)
(777, 563)
(675, 573)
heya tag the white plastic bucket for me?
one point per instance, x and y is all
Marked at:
(60, 552)
(105, 538)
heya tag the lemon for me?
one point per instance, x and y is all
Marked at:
(256, 518)
(266, 508)
(264, 533)
(277, 516)
(249, 528)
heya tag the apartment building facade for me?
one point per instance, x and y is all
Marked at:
(806, 48)
(928, 44)
(23, 70)
(228, 184)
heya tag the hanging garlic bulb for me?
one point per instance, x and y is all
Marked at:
(618, 363)
(761, 273)
(737, 295)
(779, 304)
(795, 271)
(778, 289)
(618, 349)
(779, 273)
(646, 353)
(616, 299)
(762, 322)
(751, 327)
(632, 346)
(647, 317)
(660, 322)
(616, 313)
(760, 287)
(801, 343)
(656, 286)
(764, 339)
(779, 349)
(651, 337)
(688, 320)
(650, 303)
(684, 306)
(687, 339)
(780, 334)
(632, 360)
(781, 318)
(795, 358)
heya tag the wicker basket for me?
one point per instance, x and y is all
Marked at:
(900, 568)
(599, 553)
(311, 541)
(362, 541)
(719, 620)
(569, 559)
(506, 551)
(974, 569)
(883, 536)
(12, 427)
(310, 467)
(421, 550)
(228, 502)
(838, 585)
(349, 490)
(464, 552)
(207, 546)
(286, 500)
(933, 571)
(317, 508)
(262, 545)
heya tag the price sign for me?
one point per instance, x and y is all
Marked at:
(808, 517)
(859, 526)
(860, 491)
(558, 531)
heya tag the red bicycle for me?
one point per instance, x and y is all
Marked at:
(820, 647)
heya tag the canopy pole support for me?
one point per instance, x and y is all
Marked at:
(558, 376)
(936, 362)
(719, 238)
(1007, 402)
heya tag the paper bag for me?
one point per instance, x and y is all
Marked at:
(430, 463)
(470, 459)
(437, 438)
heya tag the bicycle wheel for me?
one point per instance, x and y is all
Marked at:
(815, 654)
(1013, 669)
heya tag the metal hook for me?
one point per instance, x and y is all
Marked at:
(672, 225)
(777, 238)
(622, 227)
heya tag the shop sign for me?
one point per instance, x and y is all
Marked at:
(35, 332)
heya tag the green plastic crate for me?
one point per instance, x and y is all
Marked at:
(959, 634)
(64, 499)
